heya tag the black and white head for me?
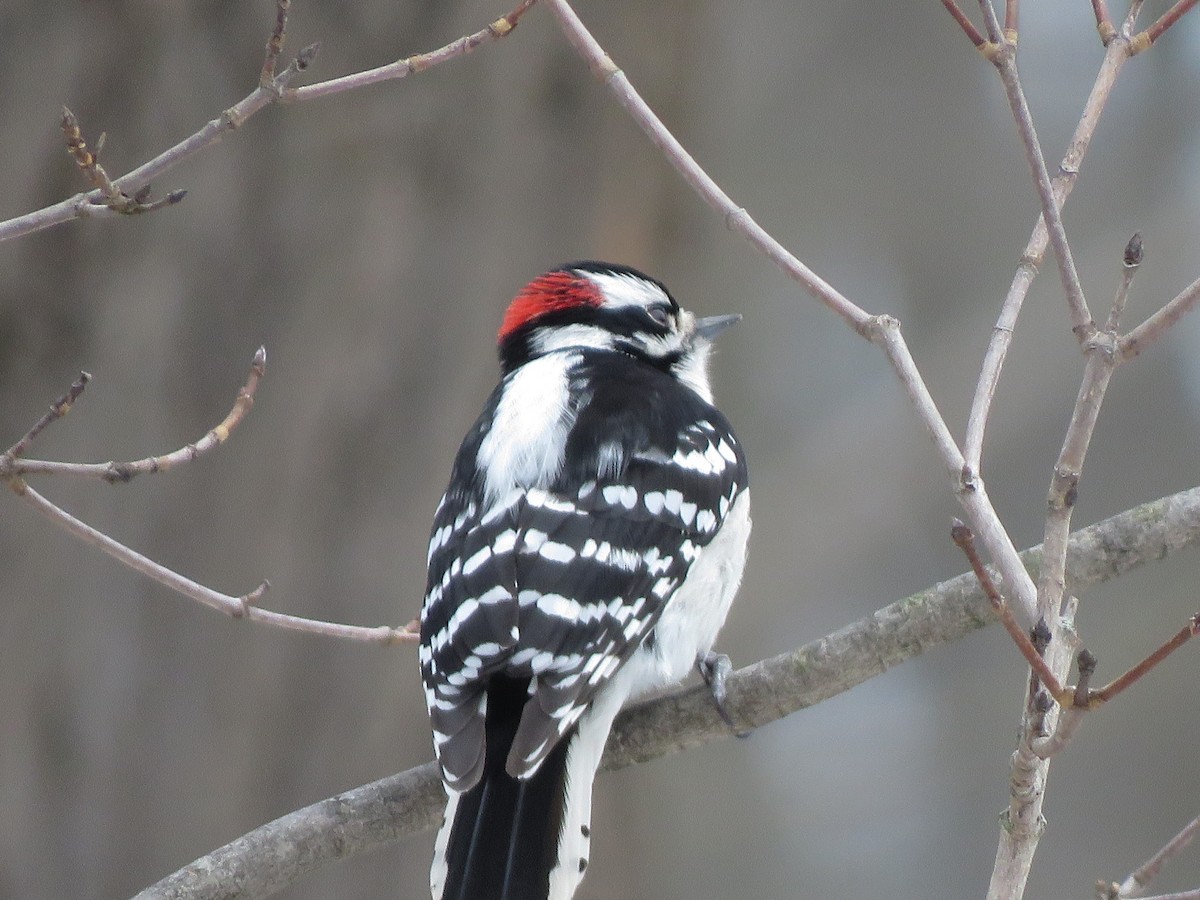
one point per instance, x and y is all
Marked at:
(609, 307)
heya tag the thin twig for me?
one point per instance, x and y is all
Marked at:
(1031, 258)
(1046, 748)
(234, 607)
(92, 205)
(114, 199)
(991, 22)
(1160, 323)
(1137, 881)
(410, 65)
(973, 34)
(1117, 685)
(1081, 317)
(58, 409)
(1130, 263)
(1146, 39)
(274, 43)
(964, 539)
(735, 216)
(13, 469)
(1011, 14)
(114, 472)
(1104, 23)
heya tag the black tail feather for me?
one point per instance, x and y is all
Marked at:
(504, 840)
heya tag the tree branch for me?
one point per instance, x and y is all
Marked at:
(270, 90)
(1035, 251)
(410, 65)
(13, 469)
(281, 852)
(1138, 880)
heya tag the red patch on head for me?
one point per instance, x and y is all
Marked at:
(545, 294)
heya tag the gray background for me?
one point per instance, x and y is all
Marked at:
(371, 242)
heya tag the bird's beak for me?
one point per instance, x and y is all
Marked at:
(709, 327)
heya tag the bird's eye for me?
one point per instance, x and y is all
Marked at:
(661, 315)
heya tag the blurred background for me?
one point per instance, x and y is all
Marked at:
(371, 242)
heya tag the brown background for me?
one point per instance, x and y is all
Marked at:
(371, 242)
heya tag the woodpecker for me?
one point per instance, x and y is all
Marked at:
(587, 549)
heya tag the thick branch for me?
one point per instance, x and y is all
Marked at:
(281, 852)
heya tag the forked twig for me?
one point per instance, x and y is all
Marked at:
(89, 163)
(1035, 249)
(132, 184)
(114, 472)
(13, 470)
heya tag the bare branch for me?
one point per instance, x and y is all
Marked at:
(92, 204)
(275, 43)
(114, 472)
(1137, 881)
(1104, 23)
(967, 26)
(410, 65)
(1117, 685)
(115, 200)
(234, 607)
(1081, 700)
(1130, 263)
(366, 818)
(1064, 483)
(1160, 323)
(1023, 822)
(1011, 14)
(735, 216)
(13, 469)
(965, 541)
(58, 409)
(1081, 317)
(1034, 252)
(1146, 39)
(992, 23)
